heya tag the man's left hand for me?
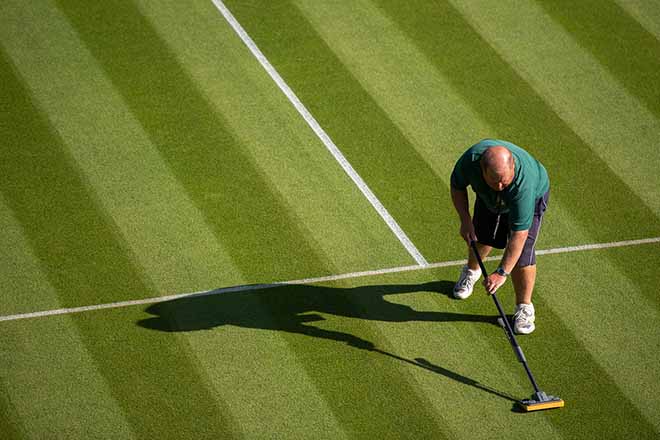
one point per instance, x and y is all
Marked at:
(493, 282)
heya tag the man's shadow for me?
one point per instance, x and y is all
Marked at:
(292, 307)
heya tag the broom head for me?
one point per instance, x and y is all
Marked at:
(540, 401)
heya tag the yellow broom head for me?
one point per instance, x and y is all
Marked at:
(540, 401)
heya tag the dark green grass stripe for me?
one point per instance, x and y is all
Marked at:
(10, 424)
(86, 262)
(407, 186)
(247, 216)
(639, 264)
(618, 42)
(581, 182)
(364, 389)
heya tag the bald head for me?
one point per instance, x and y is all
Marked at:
(498, 167)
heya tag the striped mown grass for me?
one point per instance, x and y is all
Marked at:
(487, 84)
(615, 125)
(372, 143)
(145, 152)
(619, 43)
(214, 161)
(461, 369)
(84, 261)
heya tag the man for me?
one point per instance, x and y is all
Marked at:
(512, 190)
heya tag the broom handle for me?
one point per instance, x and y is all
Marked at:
(507, 327)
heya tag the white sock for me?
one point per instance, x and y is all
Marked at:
(475, 272)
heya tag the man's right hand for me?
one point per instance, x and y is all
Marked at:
(467, 232)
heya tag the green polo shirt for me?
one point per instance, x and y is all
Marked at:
(529, 184)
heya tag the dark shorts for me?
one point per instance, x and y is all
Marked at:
(493, 230)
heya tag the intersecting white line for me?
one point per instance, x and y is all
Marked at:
(368, 273)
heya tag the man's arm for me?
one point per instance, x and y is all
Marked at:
(513, 250)
(461, 204)
(512, 253)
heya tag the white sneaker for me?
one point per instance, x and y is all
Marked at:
(523, 319)
(465, 283)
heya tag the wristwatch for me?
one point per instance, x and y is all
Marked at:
(501, 271)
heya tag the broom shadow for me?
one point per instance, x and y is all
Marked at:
(291, 308)
(423, 363)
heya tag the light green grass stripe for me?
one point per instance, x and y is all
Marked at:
(167, 233)
(646, 12)
(45, 364)
(325, 203)
(609, 313)
(616, 125)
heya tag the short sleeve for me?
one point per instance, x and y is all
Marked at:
(458, 180)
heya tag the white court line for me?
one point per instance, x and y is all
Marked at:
(368, 273)
(329, 144)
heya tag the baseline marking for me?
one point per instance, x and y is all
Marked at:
(368, 273)
(322, 135)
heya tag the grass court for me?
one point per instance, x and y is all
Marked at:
(147, 155)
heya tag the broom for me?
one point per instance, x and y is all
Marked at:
(539, 400)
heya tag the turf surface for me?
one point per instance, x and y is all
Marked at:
(145, 152)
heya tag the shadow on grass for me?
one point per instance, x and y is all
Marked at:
(423, 363)
(291, 308)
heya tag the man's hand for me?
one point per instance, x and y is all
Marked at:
(493, 282)
(467, 232)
